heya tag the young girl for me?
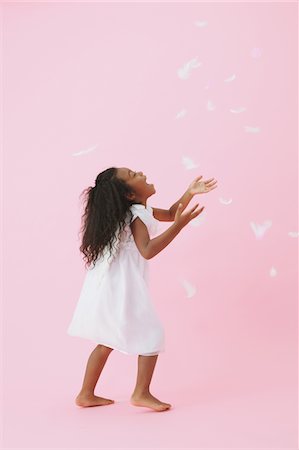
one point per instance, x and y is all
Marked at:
(114, 308)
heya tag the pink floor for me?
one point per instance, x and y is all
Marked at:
(218, 412)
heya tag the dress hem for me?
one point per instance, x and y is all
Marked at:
(153, 353)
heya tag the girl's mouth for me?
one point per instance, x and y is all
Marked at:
(149, 184)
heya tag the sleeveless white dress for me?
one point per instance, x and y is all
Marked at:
(115, 307)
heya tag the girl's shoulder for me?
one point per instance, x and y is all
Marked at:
(146, 215)
(138, 209)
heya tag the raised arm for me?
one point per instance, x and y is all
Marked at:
(184, 200)
(196, 187)
(151, 247)
(167, 215)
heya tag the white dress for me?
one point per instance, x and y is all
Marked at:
(114, 306)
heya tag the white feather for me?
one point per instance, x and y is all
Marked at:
(210, 106)
(190, 289)
(273, 272)
(201, 23)
(181, 114)
(259, 230)
(83, 152)
(238, 110)
(188, 163)
(231, 78)
(252, 129)
(184, 71)
(225, 202)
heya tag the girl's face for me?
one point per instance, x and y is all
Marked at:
(137, 181)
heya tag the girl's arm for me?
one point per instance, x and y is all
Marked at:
(196, 187)
(184, 200)
(167, 215)
(151, 247)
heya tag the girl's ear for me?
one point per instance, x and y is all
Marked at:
(130, 196)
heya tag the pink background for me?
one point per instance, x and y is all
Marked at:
(152, 86)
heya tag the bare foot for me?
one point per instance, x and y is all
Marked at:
(92, 400)
(149, 401)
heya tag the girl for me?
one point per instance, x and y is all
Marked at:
(114, 308)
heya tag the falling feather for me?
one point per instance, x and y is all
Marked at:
(181, 114)
(252, 129)
(83, 152)
(259, 230)
(188, 163)
(189, 288)
(238, 110)
(225, 202)
(293, 234)
(210, 106)
(201, 23)
(273, 272)
(184, 71)
(231, 78)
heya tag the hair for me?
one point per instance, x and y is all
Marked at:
(106, 209)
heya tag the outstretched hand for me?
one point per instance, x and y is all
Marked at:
(182, 219)
(201, 187)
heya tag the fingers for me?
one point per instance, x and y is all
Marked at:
(208, 183)
(195, 213)
(190, 211)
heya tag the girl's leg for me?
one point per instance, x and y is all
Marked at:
(141, 395)
(95, 365)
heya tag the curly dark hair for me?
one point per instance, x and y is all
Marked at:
(106, 209)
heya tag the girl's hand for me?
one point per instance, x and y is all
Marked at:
(182, 219)
(201, 187)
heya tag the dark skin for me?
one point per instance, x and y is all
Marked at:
(143, 190)
(148, 248)
(138, 182)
